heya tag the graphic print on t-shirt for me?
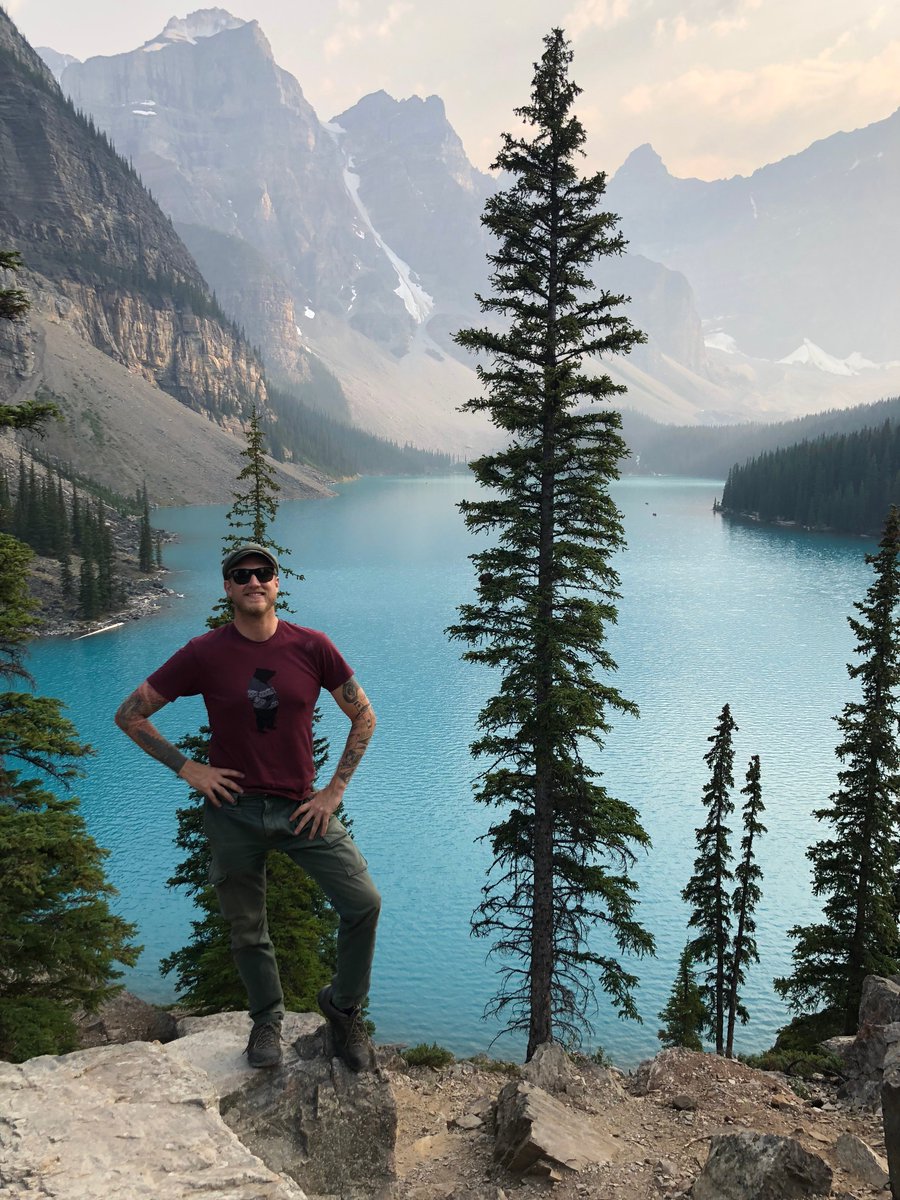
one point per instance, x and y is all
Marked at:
(264, 699)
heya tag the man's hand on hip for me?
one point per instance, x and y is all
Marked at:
(215, 783)
(318, 810)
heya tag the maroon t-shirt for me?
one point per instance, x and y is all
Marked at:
(260, 698)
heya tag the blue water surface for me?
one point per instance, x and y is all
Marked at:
(711, 612)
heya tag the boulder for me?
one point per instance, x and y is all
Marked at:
(755, 1166)
(879, 1028)
(531, 1126)
(880, 1002)
(551, 1069)
(890, 1111)
(860, 1160)
(125, 1123)
(123, 1019)
(312, 1119)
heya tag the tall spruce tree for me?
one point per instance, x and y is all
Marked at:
(746, 896)
(303, 927)
(855, 869)
(563, 849)
(685, 1012)
(707, 890)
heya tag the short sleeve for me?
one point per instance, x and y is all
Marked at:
(179, 676)
(335, 668)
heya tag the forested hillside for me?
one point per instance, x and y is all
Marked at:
(845, 482)
(709, 450)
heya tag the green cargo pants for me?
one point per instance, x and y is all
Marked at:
(240, 837)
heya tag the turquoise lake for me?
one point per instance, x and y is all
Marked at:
(711, 612)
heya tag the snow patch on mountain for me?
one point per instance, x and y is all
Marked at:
(721, 341)
(416, 300)
(811, 355)
(204, 23)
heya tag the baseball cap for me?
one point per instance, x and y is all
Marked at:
(233, 557)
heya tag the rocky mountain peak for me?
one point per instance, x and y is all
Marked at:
(55, 61)
(642, 165)
(204, 23)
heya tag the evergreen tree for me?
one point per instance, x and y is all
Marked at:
(16, 607)
(158, 550)
(6, 507)
(563, 848)
(59, 940)
(746, 896)
(302, 926)
(252, 513)
(685, 1012)
(88, 590)
(14, 303)
(707, 890)
(145, 545)
(66, 582)
(855, 869)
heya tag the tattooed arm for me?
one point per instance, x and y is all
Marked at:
(318, 809)
(132, 717)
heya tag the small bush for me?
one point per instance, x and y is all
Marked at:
(801, 1064)
(426, 1055)
(807, 1031)
(499, 1066)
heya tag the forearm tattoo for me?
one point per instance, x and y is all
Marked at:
(361, 729)
(132, 718)
(157, 747)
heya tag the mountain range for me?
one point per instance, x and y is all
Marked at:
(354, 245)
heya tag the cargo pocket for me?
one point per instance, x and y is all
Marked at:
(344, 849)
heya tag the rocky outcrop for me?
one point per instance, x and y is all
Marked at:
(190, 1118)
(313, 1120)
(125, 1122)
(755, 1166)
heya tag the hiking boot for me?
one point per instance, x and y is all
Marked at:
(351, 1038)
(264, 1047)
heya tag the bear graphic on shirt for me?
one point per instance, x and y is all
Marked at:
(264, 699)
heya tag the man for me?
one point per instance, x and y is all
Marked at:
(260, 679)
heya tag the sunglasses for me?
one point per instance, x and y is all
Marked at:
(242, 575)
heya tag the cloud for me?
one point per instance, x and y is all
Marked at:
(703, 16)
(595, 14)
(355, 32)
(768, 93)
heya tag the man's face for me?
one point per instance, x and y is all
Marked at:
(252, 598)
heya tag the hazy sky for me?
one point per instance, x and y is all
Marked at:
(717, 86)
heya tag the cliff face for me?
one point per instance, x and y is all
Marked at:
(422, 193)
(227, 142)
(82, 221)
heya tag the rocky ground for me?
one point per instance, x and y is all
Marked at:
(650, 1131)
(661, 1119)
